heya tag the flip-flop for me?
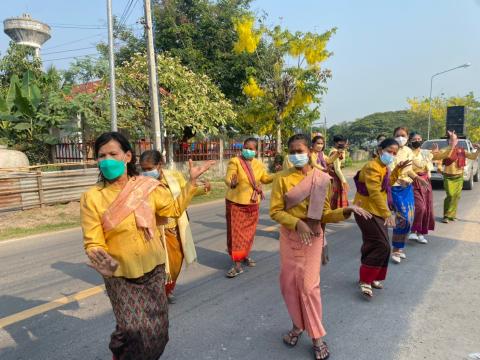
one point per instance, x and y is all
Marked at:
(233, 272)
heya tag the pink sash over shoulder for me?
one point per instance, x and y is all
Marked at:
(133, 198)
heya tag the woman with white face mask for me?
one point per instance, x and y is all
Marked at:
(300, 203)
(402, 195)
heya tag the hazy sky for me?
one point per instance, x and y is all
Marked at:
(384, 50)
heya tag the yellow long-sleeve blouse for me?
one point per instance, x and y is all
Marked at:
(242, 193)
(406, 174)
(314, 160)
(421, 161)
(284, 182)
(172, 221)
(135, 254)
(453, 169)
(372, 175)
(337, 166)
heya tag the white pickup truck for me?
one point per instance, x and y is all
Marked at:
(470, 174)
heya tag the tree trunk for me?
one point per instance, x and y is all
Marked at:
(279, 134)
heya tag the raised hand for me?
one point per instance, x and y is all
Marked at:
(197, 171)
(304, 232)
(453, 138)
(435, 148)
(102, 262)
(403, 164)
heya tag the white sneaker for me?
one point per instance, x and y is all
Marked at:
(413, 236)
(396, 258)
(403, 255)
(421, 239)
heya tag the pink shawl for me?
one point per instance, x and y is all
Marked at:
(314, 186)
(133, 198)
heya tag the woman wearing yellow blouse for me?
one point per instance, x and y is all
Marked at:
(300, 203)
(373, 183)
(339, 182)
(402, 195)
(454, 160)
(244, 179)
(424, 220)
(176, 233)
(123, 244)
(319, 159)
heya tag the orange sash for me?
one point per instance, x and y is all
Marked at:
(133, 198)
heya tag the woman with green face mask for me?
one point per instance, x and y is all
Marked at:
(244, 179)
(123, 244)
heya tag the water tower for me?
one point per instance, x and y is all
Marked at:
(26, 31)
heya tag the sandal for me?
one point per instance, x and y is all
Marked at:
(233, 272)
(366, 290)
(377, 284)
(321, 352)
(250, 262)
(291, 339)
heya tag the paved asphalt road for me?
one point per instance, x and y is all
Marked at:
(428, 310)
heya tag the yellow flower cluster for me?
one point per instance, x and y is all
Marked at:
(248, 38)
(299, 99)
(310, 46)
(252, 89)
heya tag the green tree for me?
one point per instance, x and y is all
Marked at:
(17, 61)
(285, 96)
(190, 100)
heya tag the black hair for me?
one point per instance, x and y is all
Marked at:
(153, 156)
(300, 137)
(338, 138)
(388, 142)
(124, 144)
(251, 139)
(380, 136)
(412, 134)
(318, 137)
(400, 128)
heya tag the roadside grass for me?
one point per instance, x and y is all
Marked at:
(17, 232)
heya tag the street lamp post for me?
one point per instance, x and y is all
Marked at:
(430, 97)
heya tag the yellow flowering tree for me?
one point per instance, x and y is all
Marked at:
(284, 90)
(420, 107)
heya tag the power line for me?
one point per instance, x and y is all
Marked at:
(78, 27)
(71, 57)
(125, 11)
(127, 16)
(73, 41)
(70, 50)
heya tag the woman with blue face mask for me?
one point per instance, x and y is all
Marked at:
(374, 186)
(175, 233)
(122, 242)
(244, 179)
(300, 203)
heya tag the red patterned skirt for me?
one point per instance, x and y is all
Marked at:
(141, 310)
(339, 198)
(241, 227)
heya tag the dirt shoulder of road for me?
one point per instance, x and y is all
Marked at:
(60, 217)
(24, 223)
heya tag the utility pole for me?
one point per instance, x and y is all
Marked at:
(152, 78)
(111, 59)
(325, 127)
